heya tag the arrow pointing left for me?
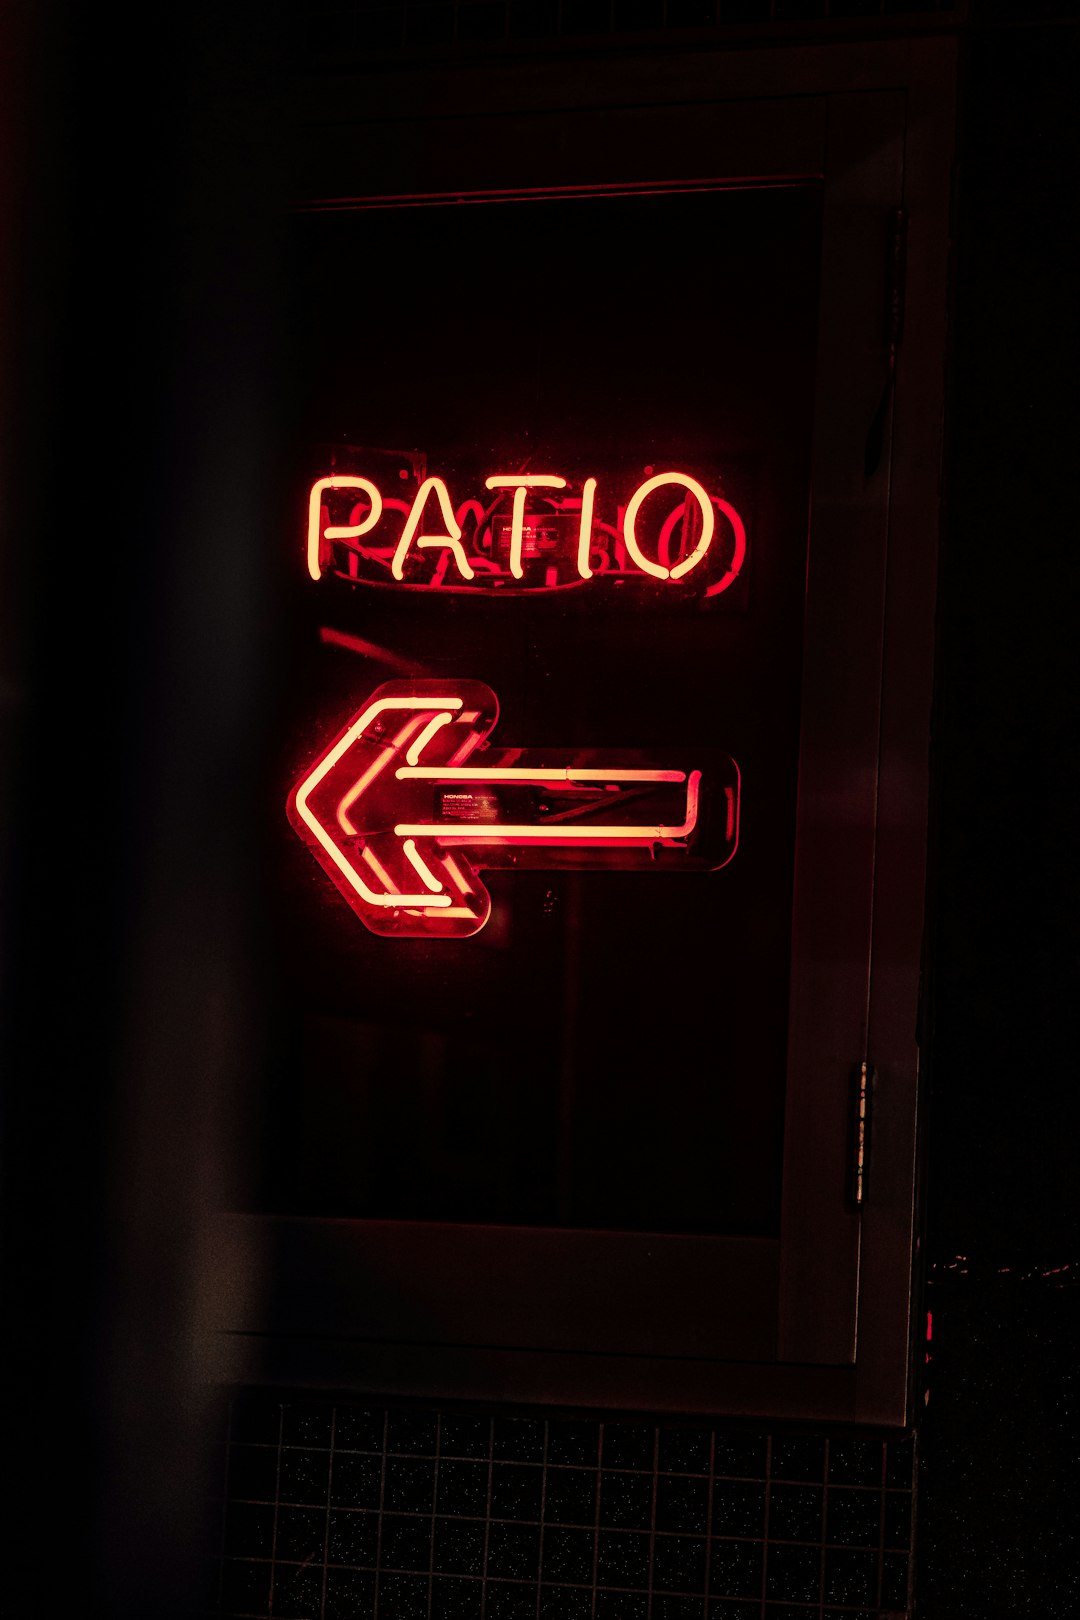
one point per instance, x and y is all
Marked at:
(400, 821)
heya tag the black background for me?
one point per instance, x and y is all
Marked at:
(140, 284)
(1002, 1425)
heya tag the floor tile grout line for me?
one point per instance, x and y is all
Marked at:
(652, 1523)
(622, 1530)
(808, 1605)
(596, 1523)
(824, 1521)
(765, 1528)
(514, 1462)
(434, 1520)
(277, 1504)
(329, 1498)
(379, 1522)
(709, 1522)
(487, 1518)
(529, 1580)
(543, 1516)
(912, 1523)
(881, 1523)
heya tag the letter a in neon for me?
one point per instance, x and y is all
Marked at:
(451, 538)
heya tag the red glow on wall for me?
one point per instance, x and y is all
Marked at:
(534, 532)
(402, 824)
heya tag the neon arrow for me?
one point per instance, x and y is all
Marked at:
(386, 805)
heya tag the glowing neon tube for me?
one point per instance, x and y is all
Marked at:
(708, 522)
(349, 531)
(520, 773)
(520, 833)
(521, 483)
(322, 769)
(451, 539)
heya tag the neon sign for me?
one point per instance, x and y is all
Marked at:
(410, 802)
(529, 532)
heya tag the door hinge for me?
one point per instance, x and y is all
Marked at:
(863, 1094)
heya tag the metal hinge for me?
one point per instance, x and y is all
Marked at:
(863, 1093)
(893, 331)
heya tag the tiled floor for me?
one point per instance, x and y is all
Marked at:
(345, 1513)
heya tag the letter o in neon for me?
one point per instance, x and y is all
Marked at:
(708, 522)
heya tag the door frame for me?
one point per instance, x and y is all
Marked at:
(817, 1324)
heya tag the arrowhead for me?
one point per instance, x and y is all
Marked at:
(346, 807)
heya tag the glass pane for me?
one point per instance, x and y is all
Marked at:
(609, 1048)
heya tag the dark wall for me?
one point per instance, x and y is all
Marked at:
(1001, 1434)
(138, 200)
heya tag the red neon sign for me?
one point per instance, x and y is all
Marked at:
(409, 802)
(529, 532)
